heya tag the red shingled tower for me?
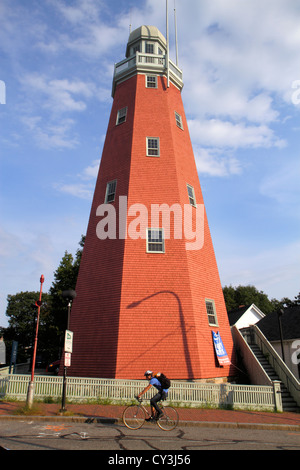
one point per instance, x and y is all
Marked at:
(148, 295)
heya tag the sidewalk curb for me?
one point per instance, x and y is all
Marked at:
(118, 421)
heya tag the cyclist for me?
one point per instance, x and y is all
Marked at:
(161, 395)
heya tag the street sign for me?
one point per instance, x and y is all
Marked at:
(67, 360)
(69, 341)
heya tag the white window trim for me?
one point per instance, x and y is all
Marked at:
(178, 120)
(151, 45)
(124, 115)
(194, 197)
(212, 302)
(147, 147)
(107, 194)
(151, 87)
(158, 243)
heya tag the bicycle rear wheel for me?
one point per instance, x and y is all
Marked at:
(169, 419)
(133, 417)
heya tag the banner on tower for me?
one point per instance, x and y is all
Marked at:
(220, 350)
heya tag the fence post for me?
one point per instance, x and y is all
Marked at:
(223, 399)
(277, 395)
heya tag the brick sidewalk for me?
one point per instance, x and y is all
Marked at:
(201, 416)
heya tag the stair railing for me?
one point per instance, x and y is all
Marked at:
(281, 369)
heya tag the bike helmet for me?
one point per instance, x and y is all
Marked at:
(148, 372)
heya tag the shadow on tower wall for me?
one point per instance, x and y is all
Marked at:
(183, 327)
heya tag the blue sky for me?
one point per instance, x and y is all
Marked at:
(240, 59)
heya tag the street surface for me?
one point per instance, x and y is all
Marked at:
(30, 435)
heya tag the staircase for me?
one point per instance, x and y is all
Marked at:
(288, 403)
(271, 365)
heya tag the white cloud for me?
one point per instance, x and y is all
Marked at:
(215, 163)
(54, 99)
(59, 95)
(83, 191)
(239, 60)
(84, 184)
(91, 171)
(85, 10)
(49, 135)
(225, 134)
(94, 36)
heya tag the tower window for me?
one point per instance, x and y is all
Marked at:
(151, 81)
(178, 119)
(155, 240)
(152, 146)
(160, 52)
(149, 48)
(191, 194)
(110, 191)
(121, 117)
(211, 312)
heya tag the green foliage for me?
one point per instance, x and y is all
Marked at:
(246, 295)
(22, 316)
(65, 278)
(236, 297)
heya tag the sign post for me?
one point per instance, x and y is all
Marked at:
(69, 341)
(70, 296)
(67, 359)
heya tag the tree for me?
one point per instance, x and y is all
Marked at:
(22, 315)
(297, 300)
(246, 295)
(65, 277)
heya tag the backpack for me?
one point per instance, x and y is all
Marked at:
(164, 381)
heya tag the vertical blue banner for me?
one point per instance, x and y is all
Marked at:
(220, 350)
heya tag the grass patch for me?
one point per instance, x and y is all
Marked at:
(27, 411)
(65, 413)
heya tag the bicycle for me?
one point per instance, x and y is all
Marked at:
(134, 416)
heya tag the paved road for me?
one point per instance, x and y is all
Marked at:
(29, 435)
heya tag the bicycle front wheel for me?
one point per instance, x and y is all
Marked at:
(133, 417)
(169, 419)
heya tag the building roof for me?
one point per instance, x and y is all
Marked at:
(235, 315)
(252, 315)
(147, 32)
(290, 321)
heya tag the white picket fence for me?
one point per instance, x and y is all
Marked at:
(256, 397)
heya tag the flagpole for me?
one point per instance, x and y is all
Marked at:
(176, 42)
(167, 34)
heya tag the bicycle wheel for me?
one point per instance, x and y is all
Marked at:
(169, 419)
(133, 417)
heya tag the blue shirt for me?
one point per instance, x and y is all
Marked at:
(156, 383)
